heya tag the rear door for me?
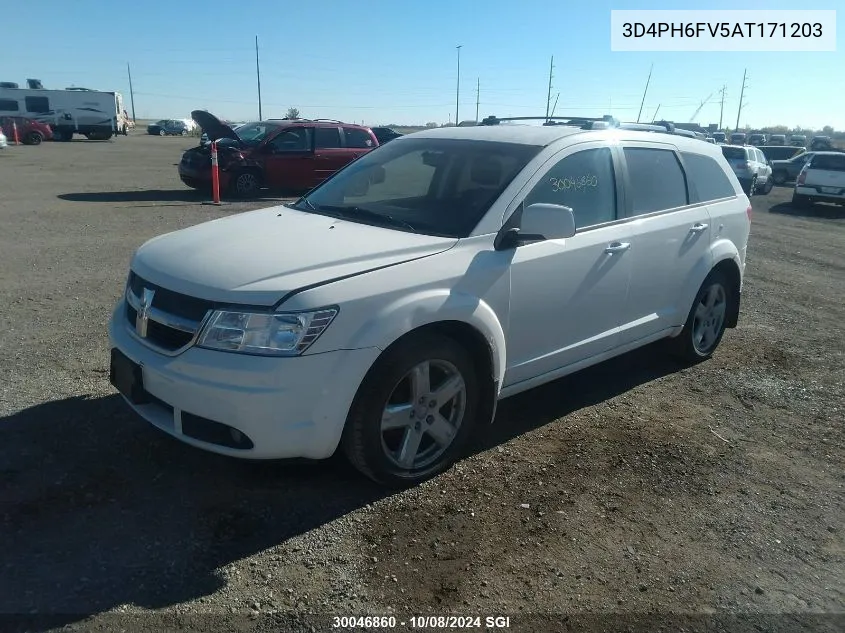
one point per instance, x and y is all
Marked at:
(670, 237)
(329, 153)
(288, 159)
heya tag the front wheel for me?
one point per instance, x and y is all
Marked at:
(246, 184)
(767, 188)
(33, 138)
(706, 321)
(414, 413)
(162, 133)
(184, 132)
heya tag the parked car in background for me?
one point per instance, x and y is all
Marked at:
(784, 171)
(799, 140)
(30, 132)
(738, 138)
(756, 139)
(821, 144)
(284, 154)
(710, 139)
(751, 167)
(3, 142)
(781, 152)
(720, 137)
(777, 139)
(168, 127)
(821, 180)
(384, 314)
(385, 134)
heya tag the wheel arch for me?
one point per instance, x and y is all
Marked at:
(729, 267)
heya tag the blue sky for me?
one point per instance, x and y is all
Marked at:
(383, 61)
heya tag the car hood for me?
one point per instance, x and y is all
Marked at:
(258, 257)
(214, 127)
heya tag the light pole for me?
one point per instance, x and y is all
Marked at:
(458, 87)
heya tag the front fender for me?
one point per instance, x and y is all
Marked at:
(428, 307)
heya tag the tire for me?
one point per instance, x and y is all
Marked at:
(162, 133)
(245, 184)
(705, 324)
(184, 132)
(767, 188)
(33, 138)
(800, 201)
(440, 427)
(779, 177)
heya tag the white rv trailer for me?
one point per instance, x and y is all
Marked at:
(94, 114)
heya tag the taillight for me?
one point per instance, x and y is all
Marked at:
(748, 212)
(802, 177)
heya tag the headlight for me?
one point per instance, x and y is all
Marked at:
(265, 333)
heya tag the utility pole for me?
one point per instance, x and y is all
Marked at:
(554, 107)
(477, 96)
(654, 118)
(458, 88)
(131, 92)
(722, 107)
(645, 92)
(741, 96)
(549, 96)
(258, 76)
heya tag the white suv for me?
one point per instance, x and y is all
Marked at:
(821, 180)
(751, 167)
(388, 310)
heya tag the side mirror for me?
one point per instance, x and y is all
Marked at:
(377, 175)
(543, 221)
(537, 223)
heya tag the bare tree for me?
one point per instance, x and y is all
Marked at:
(292, 113)
(432, 124)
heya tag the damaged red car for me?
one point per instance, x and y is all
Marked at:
(289, 155)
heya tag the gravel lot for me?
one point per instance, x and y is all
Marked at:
(635, 489)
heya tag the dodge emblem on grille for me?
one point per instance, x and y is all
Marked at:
(142, 317)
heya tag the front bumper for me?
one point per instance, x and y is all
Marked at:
(288, 407)
(201, 178)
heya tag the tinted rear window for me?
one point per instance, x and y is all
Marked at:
(828, 162)
(707, 178)
(9, 105)
(656, 180)
(733, 153)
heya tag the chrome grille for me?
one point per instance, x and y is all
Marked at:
(174, 319)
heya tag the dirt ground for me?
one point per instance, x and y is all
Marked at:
(634, 493)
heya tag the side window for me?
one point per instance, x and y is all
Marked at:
(707, 178)
(583, 181)
(297, 139)
(9, 105)
(656, 180)
(326, 138)
(357, 138)
(37, 104)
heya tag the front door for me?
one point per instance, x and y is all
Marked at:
(289, 159)
(567, 295)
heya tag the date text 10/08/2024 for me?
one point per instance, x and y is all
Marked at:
(436, 622)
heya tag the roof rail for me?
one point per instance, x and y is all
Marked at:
(327, 120)
(575, 121)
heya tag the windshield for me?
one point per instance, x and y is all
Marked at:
(254, 133)
(432, 186)
(733, 153)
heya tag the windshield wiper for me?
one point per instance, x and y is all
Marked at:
(351, 212)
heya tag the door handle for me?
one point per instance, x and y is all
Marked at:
(698, 227)
(617, 247)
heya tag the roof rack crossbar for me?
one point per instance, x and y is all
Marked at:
(494, 120)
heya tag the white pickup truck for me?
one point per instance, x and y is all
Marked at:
(821, 180)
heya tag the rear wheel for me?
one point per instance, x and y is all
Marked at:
(184, 132)
(767, 188)
(162, 133)
(706, 321)
(800, 201)
(33, 138)
(752, 187)
(414, 413)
